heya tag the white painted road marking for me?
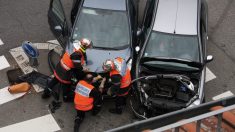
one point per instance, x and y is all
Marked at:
(4, 62)
(53, 42)
(41, 45)
(209, 75)
(223, 95)
(1, 42)
(41, 124)
(5, 96)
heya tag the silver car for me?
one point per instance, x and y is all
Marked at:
(171, 64)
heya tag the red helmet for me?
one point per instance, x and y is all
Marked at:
(86, 43)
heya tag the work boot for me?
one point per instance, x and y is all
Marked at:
(54, 105)
(77, 124)
(116, 111)
(46, 94)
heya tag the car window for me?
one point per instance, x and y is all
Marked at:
(106, 28)
(172, 46)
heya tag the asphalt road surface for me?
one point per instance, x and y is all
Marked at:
(22, 20)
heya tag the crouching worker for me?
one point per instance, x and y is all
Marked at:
(73, 59)
(87, 98)
(121, 79)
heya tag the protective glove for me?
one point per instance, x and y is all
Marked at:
(101, 87)
(85, 69)
(109, 92)
(99, 77)
(74, 79)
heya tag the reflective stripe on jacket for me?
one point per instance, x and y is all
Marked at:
(122, 69)
(67, 63)
(63, 69)
(82, 100)
(63, 79)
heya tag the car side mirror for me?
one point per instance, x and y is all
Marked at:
(209, 58)
(58, 28)
(137, 49)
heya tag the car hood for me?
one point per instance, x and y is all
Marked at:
(96, 57)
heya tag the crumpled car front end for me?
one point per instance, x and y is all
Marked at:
(160, 93)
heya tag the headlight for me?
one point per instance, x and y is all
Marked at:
(195, 103)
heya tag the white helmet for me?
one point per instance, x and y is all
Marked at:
(86, 43)
(108, 65)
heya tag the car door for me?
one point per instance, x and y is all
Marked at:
(57, 22)
(204, 14)
(133, 22)
(203, 26)
(74, 11)
(147, 20)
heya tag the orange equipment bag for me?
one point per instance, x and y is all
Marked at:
(19, 88)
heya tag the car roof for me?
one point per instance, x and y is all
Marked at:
(106, 4)
(176, 16)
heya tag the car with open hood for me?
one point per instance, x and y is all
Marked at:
(110, 24)
(171, 63)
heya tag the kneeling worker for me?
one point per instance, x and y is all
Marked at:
(87, 98)
(74, 58)
(121, 79)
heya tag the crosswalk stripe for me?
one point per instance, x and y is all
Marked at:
(209, 75)
(1, 42)
(223, 95)
(41, 124)
(5, 96)
(4, 62)
(53, 42)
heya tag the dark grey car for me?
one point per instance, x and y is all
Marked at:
(171, 65)
(110, 24)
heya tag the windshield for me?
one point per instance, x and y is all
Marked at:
(175, 47)
(106, 28)
(172, 46)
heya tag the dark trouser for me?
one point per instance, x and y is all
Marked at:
(120, 102)
(65, 87)
(78, 120)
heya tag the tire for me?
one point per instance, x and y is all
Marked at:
(137, 108)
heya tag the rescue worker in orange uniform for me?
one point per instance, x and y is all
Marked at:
(121, 79)
(73, 60)
(87, 98)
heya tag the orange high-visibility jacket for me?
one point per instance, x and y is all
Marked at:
(122, 69)
(62, 69)
(67, 63)
(82, 99)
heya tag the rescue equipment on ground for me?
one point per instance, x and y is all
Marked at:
(31, 52)
(19, 88)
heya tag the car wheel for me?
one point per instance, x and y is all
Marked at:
(139, 111)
